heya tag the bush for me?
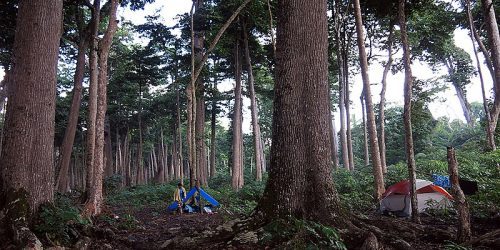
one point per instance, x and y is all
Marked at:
(59, 221)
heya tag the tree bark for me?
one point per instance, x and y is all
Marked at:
(464, 228)
(27, 163)
(257, 140)
(408, 87)
(213, 123)
(95, 199)
(494, 42)
(300, 171)
(372, 128)
(93, 87)
(348, 113)
(69, 135)
(387, 68)
(335, 146)
(489, 134)
(237, 181)
(365, 132)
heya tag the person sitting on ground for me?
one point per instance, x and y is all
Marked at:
(179, 195)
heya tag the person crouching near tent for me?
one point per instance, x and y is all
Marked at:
(179, 195)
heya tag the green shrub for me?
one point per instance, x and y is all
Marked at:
(58, 221)
(301, 234)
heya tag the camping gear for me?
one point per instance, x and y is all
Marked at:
(442, 180)
(468, 187)
(201, 194)
(396, 198)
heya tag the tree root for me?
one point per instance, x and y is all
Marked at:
(491, 239)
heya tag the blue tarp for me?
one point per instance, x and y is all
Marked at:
(191, 192)
(441, 180)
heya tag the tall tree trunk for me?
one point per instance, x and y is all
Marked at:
(462, 98)
(95, 199)
(335, 146)
(365, 132)
(160, 176)
(108, 149)
(348, 113)
(93, 87)
(27, 163)
(343, 136)
(213, 123)
(69, 135)
(489, 134)
(340, 63)
(271, 29)
(410, 157)
(372, 128)
(300, 171)
(387, 68)
(464, 233)
(494, 42)
(178, 133)
(257, 141)
(237, 182)
(140, 158)
(191, 106)
(3, 88)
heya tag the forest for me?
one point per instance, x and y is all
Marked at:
(249, 124)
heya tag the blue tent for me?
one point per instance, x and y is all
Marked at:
(190, 194)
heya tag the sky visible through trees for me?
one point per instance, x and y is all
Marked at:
(446, 104)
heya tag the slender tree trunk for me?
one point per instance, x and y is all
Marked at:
(160, 176)
(237, 182)
(494, 42)
(372, 128)
(387, 68)
(27, 163)
(95, 199)
(302, 175)
(408, 87)
(462, 98)
(4, 88)
(108, 149)
(191, 105)
(93, 87)
(365, 132)
(464, 227)
(271, 29)
(213, 123)
(335, 146)
(257, 141)
(343, 136)
(489, 134)
(340, 62)
(348, 114)
(180, 166)
(69, 134)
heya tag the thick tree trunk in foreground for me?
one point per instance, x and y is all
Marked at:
(237, 180)
(464, 227)
(257, 140)
(410, 157)
(69, 135)
(95, 197)
(372, 128)
(387, 68)
(300, 171)
(27, 163)
(494, 42)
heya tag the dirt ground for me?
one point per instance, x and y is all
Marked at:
(151, 227)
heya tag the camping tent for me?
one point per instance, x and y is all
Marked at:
(190, 194)
(397, 197)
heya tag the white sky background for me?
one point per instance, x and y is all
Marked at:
(169, 9)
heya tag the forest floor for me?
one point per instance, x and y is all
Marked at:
(149, 227)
